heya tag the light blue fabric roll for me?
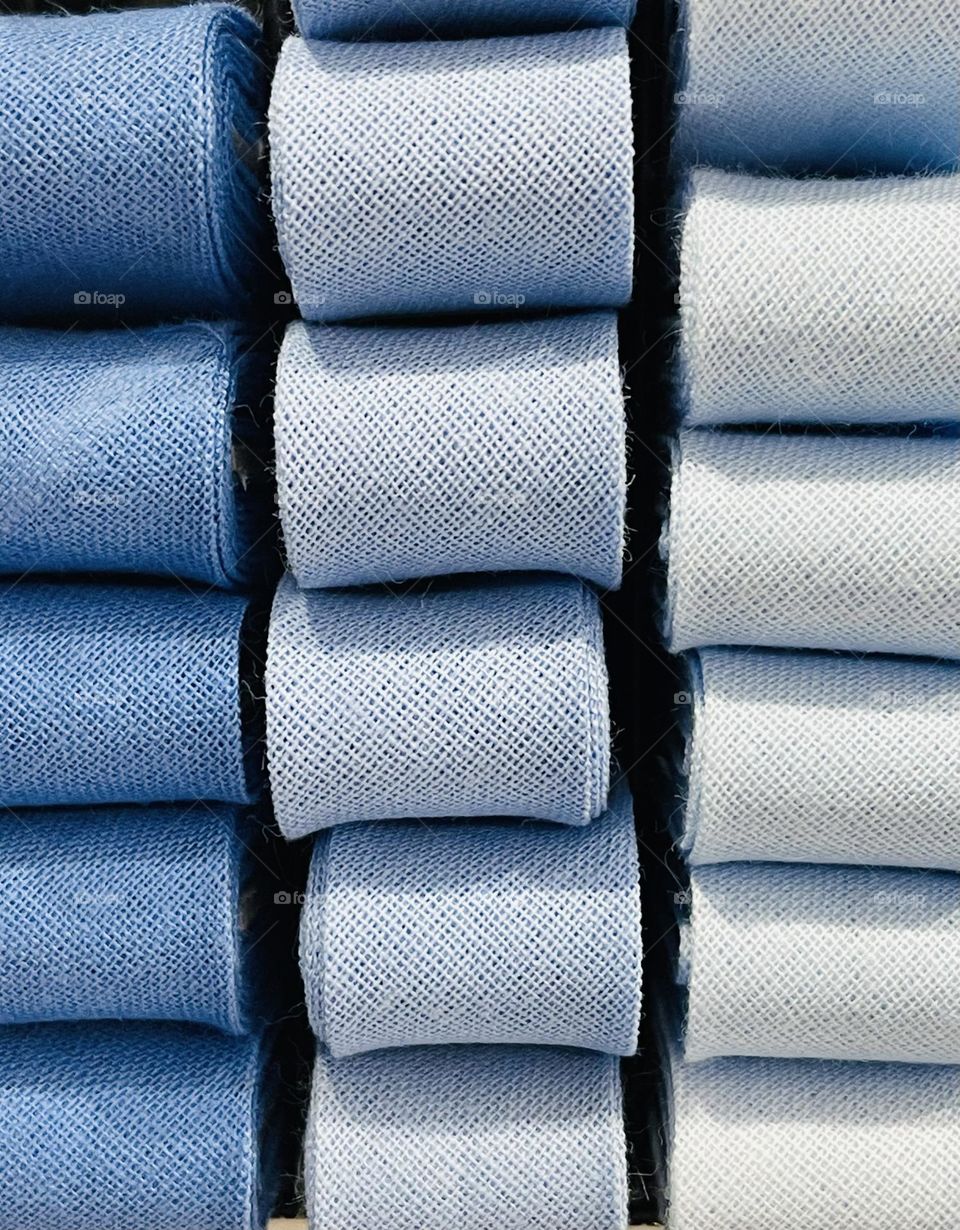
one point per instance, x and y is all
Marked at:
(118, 448)
(126, 913)
(120, 694)
(131, 1125)
(128, 177)
(391, 19)
(436, 931)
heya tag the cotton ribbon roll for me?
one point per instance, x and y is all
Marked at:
(127, 142)
(131, 1125)
(808, 757)
(821, 87)
(425, 1138)
(823, 963)
(120, 694)
(418, 932)
(806, 1145)
(819, 542)
(394, 19)
(130, 913)
(467, 700)
(461, 176)
(413, 452)
(118, 451)
(820, 300)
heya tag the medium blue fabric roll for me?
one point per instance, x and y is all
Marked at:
(131, 1125)
(120, 694)
(395, 19)
(127, 182)
(127, 913)
(118, 448)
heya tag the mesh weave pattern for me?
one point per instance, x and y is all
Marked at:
(805, 757)
(816, 542)
(425, 1138)
(392, 19)
(116, 451)
(820, 300)
(129, 1125)
(119, 694)
(123, 136)
(460, 176)
(806, 1145)
(433, 932)
(820, 86)
(470, 700)
(413, 452)
(122, 912)
(824, 963)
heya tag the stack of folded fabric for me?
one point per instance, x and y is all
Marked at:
(470, 941)
(813, 561)
(132, 1047)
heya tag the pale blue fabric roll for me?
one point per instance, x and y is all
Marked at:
(129, 178)
(120, 693)
(393, 19)
(132, 1125)
(119, 452)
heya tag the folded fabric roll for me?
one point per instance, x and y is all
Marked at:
(823, 963)
(819, 300)
(125, 912)
(391, 19)
(432, 932)
(412, 452)
(817, 542)
(470, 700)
(127, 1125)
(118, 452)
(870, 86)
(462, 176)
(806, 757)
(120, 694)
(425, 1138)
(126, 184)
(805, 1145)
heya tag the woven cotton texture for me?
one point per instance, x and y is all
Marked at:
(414, 452)
(814, 1146)
(117, 452)
(462, 176)
(819, 86)
(824, 963)
(421, 932)
(391, 19)
(119, 694)
(806, 757)
(816, 542)
(123, 912)
(470, 700)
(130, 1125)
(820, 301)
(426, 1138)
(124, 139)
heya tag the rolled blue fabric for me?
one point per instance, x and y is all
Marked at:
(132, 1125)
(397, 19)
(120, 694)
(118, 451)
(407, 453)
(430, 1137)
(126, 913)
(423, 932)
(473, 699)
(128, 182)
(429, 177)
(844, 88)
